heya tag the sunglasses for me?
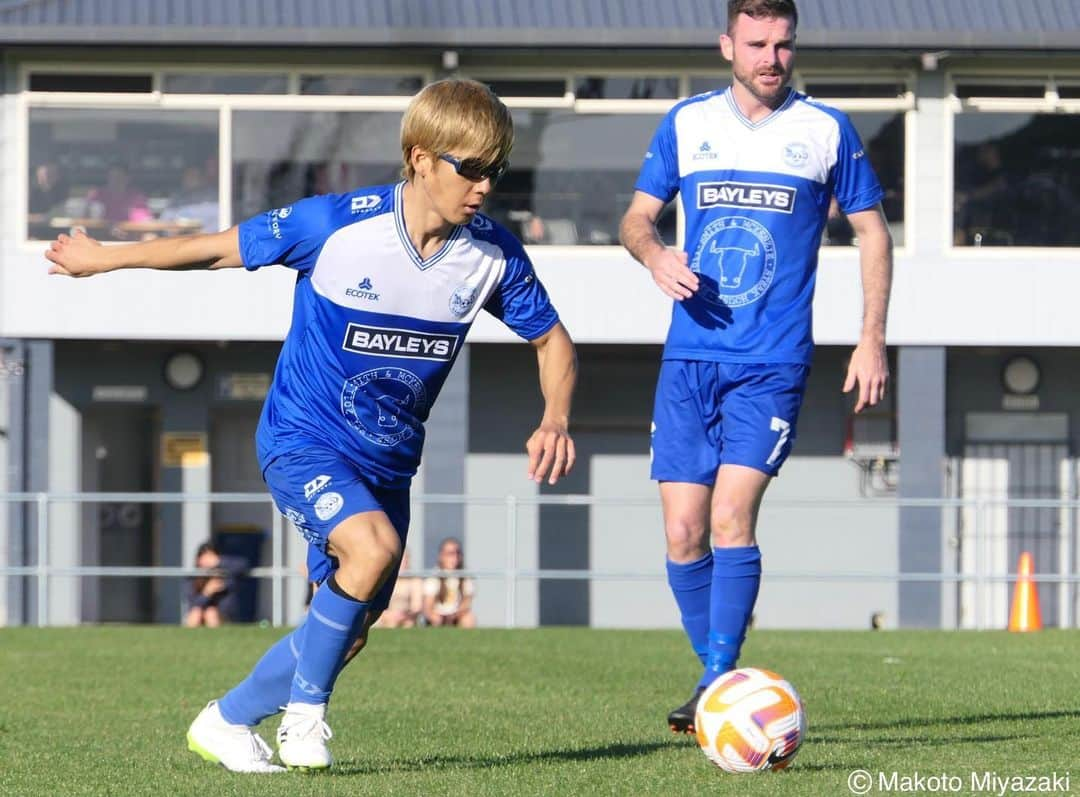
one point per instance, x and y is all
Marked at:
(476, 170)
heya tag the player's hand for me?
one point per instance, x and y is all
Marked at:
(551, 452)
(869, 369)
(672, 275)
(213, 587)
(76, 255)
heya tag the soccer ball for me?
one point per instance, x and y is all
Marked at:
(750, 720)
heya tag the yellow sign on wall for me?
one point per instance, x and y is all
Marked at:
(180, 448)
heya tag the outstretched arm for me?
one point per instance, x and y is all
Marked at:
(80, 255)
(667, 266)
(869, 366)
(551, 450)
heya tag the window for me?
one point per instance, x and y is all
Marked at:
(572, 176)
(627, 88)
(1016, 179)
(211, 83)
(89, 82)
(882, 135)
(361, 85)
(282, 156)
(122, 174)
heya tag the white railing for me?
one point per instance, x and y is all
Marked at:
(978, 513)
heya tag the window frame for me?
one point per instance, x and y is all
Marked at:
(1049, 104)
(226, 104)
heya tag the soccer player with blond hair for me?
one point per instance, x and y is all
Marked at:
(389, 280)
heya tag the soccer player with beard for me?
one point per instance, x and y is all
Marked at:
(754, 166)
(389, 280)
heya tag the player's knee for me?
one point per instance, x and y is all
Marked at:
(686, 537)
(731, 525)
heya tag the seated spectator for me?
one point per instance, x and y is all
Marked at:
(209, 596)
(118, 200)
(448, 598)
(47, 190)
(196, 201)
(406, 601)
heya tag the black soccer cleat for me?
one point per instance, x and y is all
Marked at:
(681, 720)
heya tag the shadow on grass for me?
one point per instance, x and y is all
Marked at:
(930, 722)
(486, 761)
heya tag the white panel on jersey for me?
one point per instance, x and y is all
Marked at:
(365, 266)
(798, 140)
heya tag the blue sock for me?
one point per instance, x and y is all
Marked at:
(691, 582)
(736, 577)
(266, 690)
(334, 622)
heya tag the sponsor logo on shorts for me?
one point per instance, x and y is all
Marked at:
(390, 342)
(315, 486)
(754, 196)
(328, 505)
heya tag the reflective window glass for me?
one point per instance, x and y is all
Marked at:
(362, 85)
(282, 156)
(122, 174)
(1016, 179)
(702, 84)
(196, 83)
(516, 87)
(882, 134)
(627, 88)
(572, 176)
(91, 82)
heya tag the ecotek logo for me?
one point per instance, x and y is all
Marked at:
(364, 290)
(387, 342)
(756, 196)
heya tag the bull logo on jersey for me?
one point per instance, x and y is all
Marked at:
(463, 299)
(384, 405)
(736, 261)
(733, 261)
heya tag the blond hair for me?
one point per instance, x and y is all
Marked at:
(456, 116)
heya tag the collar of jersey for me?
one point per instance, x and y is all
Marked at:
(729, 95)
(406, 241)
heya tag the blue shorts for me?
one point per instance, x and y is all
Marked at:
(709, 414)
(317, 488)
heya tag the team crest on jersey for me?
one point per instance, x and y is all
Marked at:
(463, 300)
(736, 261)
(383, 403)
(796, 154)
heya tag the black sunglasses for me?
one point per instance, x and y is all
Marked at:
(477, 170)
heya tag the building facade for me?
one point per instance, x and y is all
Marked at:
(168, 120)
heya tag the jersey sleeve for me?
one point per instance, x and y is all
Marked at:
(291, 235)
(855, 185)
(659, 175)
(520, 300)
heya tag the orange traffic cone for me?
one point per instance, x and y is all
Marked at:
(1025, 615)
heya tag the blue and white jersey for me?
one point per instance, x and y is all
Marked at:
(376, 328)
(755, 197)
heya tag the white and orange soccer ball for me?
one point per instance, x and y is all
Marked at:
(750, 720)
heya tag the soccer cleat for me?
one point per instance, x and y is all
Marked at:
(236, 747)
(681, 719)
(302, 737)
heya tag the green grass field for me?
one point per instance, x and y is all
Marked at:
(544, 712)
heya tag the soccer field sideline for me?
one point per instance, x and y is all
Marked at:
(103, 710)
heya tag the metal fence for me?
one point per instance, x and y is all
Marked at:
(972, 526)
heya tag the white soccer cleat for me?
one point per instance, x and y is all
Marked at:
(302, 737)
(236, 747)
